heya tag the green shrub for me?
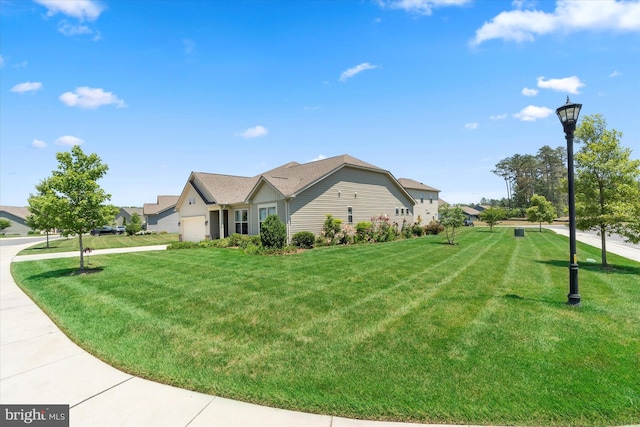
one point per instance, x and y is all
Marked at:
(406, 230)
(234, 239)
(433, 228)
(273, 233)
(252, 249)
(322, 241)
(417, 229)
(303, 239)
(364, 231)
(183, 245)
(331, 228)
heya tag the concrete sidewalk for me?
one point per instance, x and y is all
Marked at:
(623, 249)
(40, 365)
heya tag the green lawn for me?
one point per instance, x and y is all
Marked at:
(413, 330)
(100, 242)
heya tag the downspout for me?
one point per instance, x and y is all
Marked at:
(221, 220)
(286, 208)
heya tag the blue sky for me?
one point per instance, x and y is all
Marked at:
(433, 90)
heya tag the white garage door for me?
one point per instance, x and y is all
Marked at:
(193, 228)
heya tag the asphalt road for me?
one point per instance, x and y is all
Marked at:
(14, 241)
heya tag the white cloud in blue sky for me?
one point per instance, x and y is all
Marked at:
(87, 97)
(569, 16)
(567, 84)
(391, 82)
(347, 74)
(27, 87)
(69, 141)
(254, 132)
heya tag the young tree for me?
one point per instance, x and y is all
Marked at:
(4, 224)
(80, 203)
(451, 218)
(541, 210)
(135, 224)
(42, 208)
(607, 189)
(493, 216)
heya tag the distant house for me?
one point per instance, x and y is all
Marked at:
(124, 215)
(18, 217)
(426, 200)
(162, 216)
(471, 213)
(213, 205)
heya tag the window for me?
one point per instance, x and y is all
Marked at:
(397, 211)
(242, 221)
(264, 211)
(430, 199)
(350, 214)
(407, 211)
(402, 211)
(421, 198)
(192, 200)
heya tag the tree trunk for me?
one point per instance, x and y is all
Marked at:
(47, 239)
(603, 239)
(81, 252)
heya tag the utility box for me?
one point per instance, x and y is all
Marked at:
(518, 232)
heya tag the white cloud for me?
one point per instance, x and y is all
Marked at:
(533, 113)
(86, 97)
(253, 132)
(38, 144)
(616, 73)
(498, 116)
(83, 10)
(355, 70)
(471, 126)
(73, 30)
(69, 141)
(529, 92)
(1, 61)
(420, 7)
(568, 84)
(568, 16)
(27, 87)
(319, 157)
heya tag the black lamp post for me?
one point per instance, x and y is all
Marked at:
(568, 115)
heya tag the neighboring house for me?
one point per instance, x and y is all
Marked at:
(18, 217)
(162, 216)
(213, 206)
(471, 213)
(125, 214)
(426, 200)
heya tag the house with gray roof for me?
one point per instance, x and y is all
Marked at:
(426, 200)
(162, 216)
(18, 217)
(124, 215)
(212, 206)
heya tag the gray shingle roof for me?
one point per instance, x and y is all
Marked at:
(415, 185)
(163, 203)
(17, 211)
(289, 179)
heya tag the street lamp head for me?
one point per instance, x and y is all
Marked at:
(568, 113)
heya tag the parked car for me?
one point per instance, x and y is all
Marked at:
(468, 223)
(104, 230)
(121, 229)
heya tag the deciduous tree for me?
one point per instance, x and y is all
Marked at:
(541, 210)
(42, 209)
(607, 183)
(80, 203)
(451, 218)
(493, 216)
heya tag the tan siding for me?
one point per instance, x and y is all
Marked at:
(376, 195)
(427, 211)
(187, 210)
(265, 195)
